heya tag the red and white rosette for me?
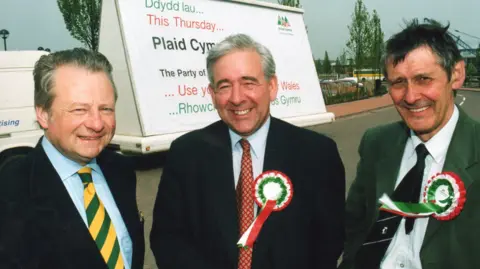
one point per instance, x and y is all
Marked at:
(273, 192)
(447, 192)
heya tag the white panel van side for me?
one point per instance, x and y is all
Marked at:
(19, 132)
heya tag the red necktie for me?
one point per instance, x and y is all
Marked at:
(245, 202)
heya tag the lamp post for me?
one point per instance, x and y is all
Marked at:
(4, 34)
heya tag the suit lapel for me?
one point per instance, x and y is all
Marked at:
(276, 141)
(387, 169)
(461, 156)
(220, 186)
(57, 210)
(275, 158)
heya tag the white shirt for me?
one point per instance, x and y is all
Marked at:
(404, 250)
(258, 142)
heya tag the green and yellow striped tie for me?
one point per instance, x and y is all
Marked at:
(99, 223)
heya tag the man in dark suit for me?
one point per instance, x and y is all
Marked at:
(423, 67)
(69, 203)
(209, 174)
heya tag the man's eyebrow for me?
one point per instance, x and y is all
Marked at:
(423, 75)
(416, 76)
(248, 78)
(220, 82)
(78, 104)
(396, 78)
(254, 79)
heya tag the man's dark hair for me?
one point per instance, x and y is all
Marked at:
(433, 35)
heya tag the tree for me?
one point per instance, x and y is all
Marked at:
(377, 47)
(318, 66)
(343, 58)
(339, 67)
(82, 19)
(290, 3)
(327, 66)
(477, 57)
(360, 35)
(471, 69)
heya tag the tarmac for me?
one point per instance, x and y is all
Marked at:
(360, 106)
(365, 105)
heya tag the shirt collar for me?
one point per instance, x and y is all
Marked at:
(437, 146)
(257, 140)
(63, 165)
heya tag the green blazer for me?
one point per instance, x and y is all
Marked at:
(447, 244)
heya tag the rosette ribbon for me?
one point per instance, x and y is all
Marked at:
(443, 198)
(273, 192)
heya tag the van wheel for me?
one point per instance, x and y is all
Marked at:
(10, 156)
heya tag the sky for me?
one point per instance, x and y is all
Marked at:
(34, 23)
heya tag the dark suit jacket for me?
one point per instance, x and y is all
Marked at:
(447, 244)
(195, 223)
(40, 227)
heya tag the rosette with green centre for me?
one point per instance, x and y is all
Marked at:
(273, 185)
(447, 192)
(273, 192)
(443, 198)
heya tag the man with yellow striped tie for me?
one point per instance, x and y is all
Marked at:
(71, 203)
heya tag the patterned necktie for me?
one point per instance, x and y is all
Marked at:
(245, 202)
(372, 252)
(99, 223)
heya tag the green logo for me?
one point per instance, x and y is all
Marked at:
(283, 21)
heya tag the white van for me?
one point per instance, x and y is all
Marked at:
(19, 131)
(158, 50)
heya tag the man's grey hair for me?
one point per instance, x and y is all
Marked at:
(45, 67)
(240, 42)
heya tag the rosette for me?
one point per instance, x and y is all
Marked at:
(447, 192)
(273, 192)
(443, 198)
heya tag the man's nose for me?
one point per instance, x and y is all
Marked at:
(411, 93)
(95, 121)
(236, 95)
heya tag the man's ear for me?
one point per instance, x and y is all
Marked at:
(42, 117)
(458, 75)
(273, 87)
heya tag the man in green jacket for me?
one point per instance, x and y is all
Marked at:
(423, 66)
